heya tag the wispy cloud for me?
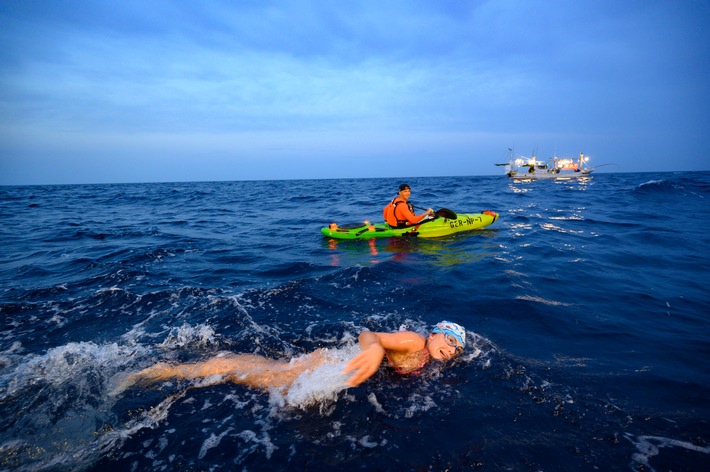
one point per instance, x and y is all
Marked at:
(313, 73)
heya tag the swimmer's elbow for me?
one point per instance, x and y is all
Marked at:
(366, 338)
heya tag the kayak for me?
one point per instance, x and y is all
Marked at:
(441, 225)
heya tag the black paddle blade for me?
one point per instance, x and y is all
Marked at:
(446, 213)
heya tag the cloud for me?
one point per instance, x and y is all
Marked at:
(311, 77)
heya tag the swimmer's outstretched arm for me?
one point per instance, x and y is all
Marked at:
(374, 347)
(219, 365)
(246, 369)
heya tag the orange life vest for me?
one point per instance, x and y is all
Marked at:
(388, 212)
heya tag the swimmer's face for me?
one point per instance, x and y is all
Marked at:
(443, 347)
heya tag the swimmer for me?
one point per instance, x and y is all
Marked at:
(406, 351)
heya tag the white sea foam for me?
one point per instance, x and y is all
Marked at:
(212, 442)
(71, 363)
(373, 401)
(186, 335)
(73, 379)
(544, 301)
(418, 404)
(365, 441)
(651, 182)
(322, 384)
(650, 446)
(264, 441)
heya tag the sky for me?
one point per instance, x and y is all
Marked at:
(95, 91)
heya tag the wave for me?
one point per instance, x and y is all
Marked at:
(690, 187)
(60, 394)
(75, 392)
(649, 447)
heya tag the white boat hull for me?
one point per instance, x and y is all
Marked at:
(524, 176)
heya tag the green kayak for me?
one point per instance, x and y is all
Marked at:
(444, 224)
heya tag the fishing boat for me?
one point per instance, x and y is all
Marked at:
(444, 223)
(526, 169)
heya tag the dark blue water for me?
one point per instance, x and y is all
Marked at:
(586, 304)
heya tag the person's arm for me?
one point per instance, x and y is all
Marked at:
(402, 212)
(215, 366)
(245, 369)
(374, 346)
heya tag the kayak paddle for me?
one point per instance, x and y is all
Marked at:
(442, 213)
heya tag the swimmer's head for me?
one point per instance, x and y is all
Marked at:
(450, 344)
(455, 330)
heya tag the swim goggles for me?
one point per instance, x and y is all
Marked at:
(453, 342)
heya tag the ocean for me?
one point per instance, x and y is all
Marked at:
(586, 306)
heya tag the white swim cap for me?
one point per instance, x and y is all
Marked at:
(455, 330)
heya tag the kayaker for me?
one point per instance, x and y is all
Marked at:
(406, 351)
(399, 213)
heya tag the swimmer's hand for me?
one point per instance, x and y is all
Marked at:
(364, 364)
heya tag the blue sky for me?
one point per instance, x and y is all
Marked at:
(146, 91)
